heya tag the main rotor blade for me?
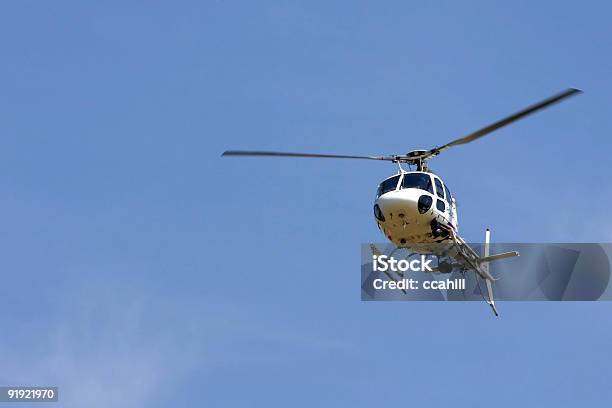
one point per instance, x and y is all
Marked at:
(508, 120)
(289, 154)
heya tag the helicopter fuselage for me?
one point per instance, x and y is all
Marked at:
(415, 210)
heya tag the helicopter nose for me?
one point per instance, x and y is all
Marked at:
(397, 204)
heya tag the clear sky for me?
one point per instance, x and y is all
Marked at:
(142, 269)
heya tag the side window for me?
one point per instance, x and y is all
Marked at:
(440, 205)
(448, 195)
(439, 188)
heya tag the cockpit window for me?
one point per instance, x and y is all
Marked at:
(387, 185)
(439, 188)
(417, 180)
(449, 197)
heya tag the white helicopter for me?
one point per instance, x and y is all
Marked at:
(416, 210)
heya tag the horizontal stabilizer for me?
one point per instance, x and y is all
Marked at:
(497, 257)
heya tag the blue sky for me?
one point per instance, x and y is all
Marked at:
(142, 269)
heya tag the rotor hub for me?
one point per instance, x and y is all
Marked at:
(417, 158)
(416, 153)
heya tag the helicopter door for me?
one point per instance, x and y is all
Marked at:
(440, 204)
(452, 206)
(449, 198)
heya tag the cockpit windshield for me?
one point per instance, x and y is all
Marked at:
(387, 185)
(417, 180)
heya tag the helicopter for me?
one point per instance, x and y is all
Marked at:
(416, 210)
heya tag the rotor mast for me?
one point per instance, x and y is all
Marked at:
(416, 158)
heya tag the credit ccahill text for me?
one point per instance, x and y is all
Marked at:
(385, 264)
